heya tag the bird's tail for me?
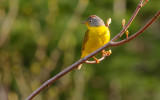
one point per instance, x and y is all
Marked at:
(79, 67)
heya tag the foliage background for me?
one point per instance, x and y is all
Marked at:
(39, 38)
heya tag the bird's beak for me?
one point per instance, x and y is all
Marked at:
(84, 22)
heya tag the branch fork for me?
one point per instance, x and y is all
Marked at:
(109, 44)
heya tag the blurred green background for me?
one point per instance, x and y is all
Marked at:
(39, 38)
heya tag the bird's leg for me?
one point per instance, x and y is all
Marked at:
(106, 53)
(97, 61)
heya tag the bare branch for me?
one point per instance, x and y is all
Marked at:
(109, 44)
(137, 33)
(79, 10)
(123, 30)
(130, 21)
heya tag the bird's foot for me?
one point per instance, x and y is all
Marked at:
(97, 61)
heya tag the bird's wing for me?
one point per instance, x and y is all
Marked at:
(84, 41)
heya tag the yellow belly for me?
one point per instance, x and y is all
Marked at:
(97, 37)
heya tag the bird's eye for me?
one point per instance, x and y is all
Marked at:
(90, 21)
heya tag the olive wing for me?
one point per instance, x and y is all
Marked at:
(84, 40)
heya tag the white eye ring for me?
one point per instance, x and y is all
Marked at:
(90, 21)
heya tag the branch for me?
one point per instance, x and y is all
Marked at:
(137, 33)
(112, 44)
(141, 4)
(73, 66)
(109, 44)
(130, 21)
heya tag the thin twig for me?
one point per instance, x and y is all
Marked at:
(137, 33)
(145, 2)
(130, 21)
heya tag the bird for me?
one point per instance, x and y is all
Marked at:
(96, 36)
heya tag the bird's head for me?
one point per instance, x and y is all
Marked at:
(94, 21)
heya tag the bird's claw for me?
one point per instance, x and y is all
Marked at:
(107, 53)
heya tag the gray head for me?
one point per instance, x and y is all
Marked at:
(94, 21)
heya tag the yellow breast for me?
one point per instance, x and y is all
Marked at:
(97, 37)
